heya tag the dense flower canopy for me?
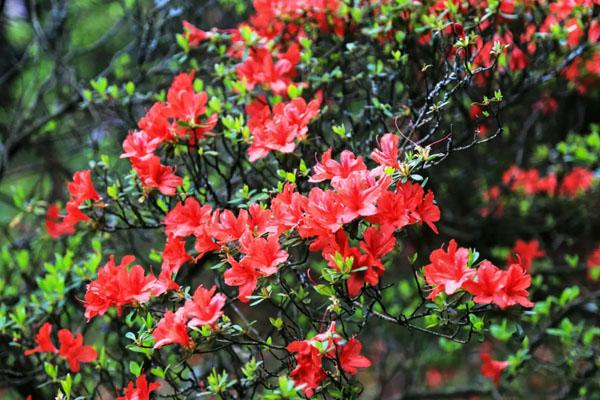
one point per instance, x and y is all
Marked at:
(329, 199)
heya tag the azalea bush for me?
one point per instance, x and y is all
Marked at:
(327, 199)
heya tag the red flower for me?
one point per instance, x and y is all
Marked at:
(576, 182)
(140, 145)
(229, 228)
(364, 270)
(155, 123)
(309, 357)
(491, 368)
(350, 357)
(82, 188)
(141, 391)
(428, 212)
(155, 175)
(279, 129)
(117, 287)
(288, 208)
(387, 153)
(264, 255)
(187, 218)
(194, 35)
(358, 193)
(391, 210)
(524, 253)
(309, 366)
(171, 329)
(448, 271)
(43, 340)
(243, 275)
(328, 169)
(185, 104)
(54, 226)
(174, 255)
(323, 214)
(205, 307)
(204, 242)
(515, 287)
(488, 286)
(73, 350)
(259, 69)
(378, 242)
(593, 264)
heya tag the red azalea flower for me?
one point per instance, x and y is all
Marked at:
(288, 208)
(364, 270)
(524, 253)
(155, 175)
(54, 226)
(205, 307)
(264, 255)
(260, 69)
(309, 366)
(185, 104)
(359, 193)
(261, 220)
(448, 270)
(323, 214)
(73, 350)
(593, 264)
(227, 227)
(156, 122)
(350, 357)
(491, 368)
(172, 329)
(141, 391)
(576, 182)
(174, 255)
(488, 284)
(43, 340)
(328, 168)
(194, 35)
(378, 242)
(387, 153)
(391, 210)
(428, 212)
(117, 287)
(242, 274)
(276, 135)
(140, 145)
(187, 218)
(204, 242)
(517, 281)
(82, 188)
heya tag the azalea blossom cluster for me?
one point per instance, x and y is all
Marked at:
(356, 192)
(203, 309)
(449, 272)
(71, 348)
(117, 286)
(328, 345)
(279, 129)
(271, 66)
(181, 118)
(81, 189)
(574, 183)
(574, 20)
